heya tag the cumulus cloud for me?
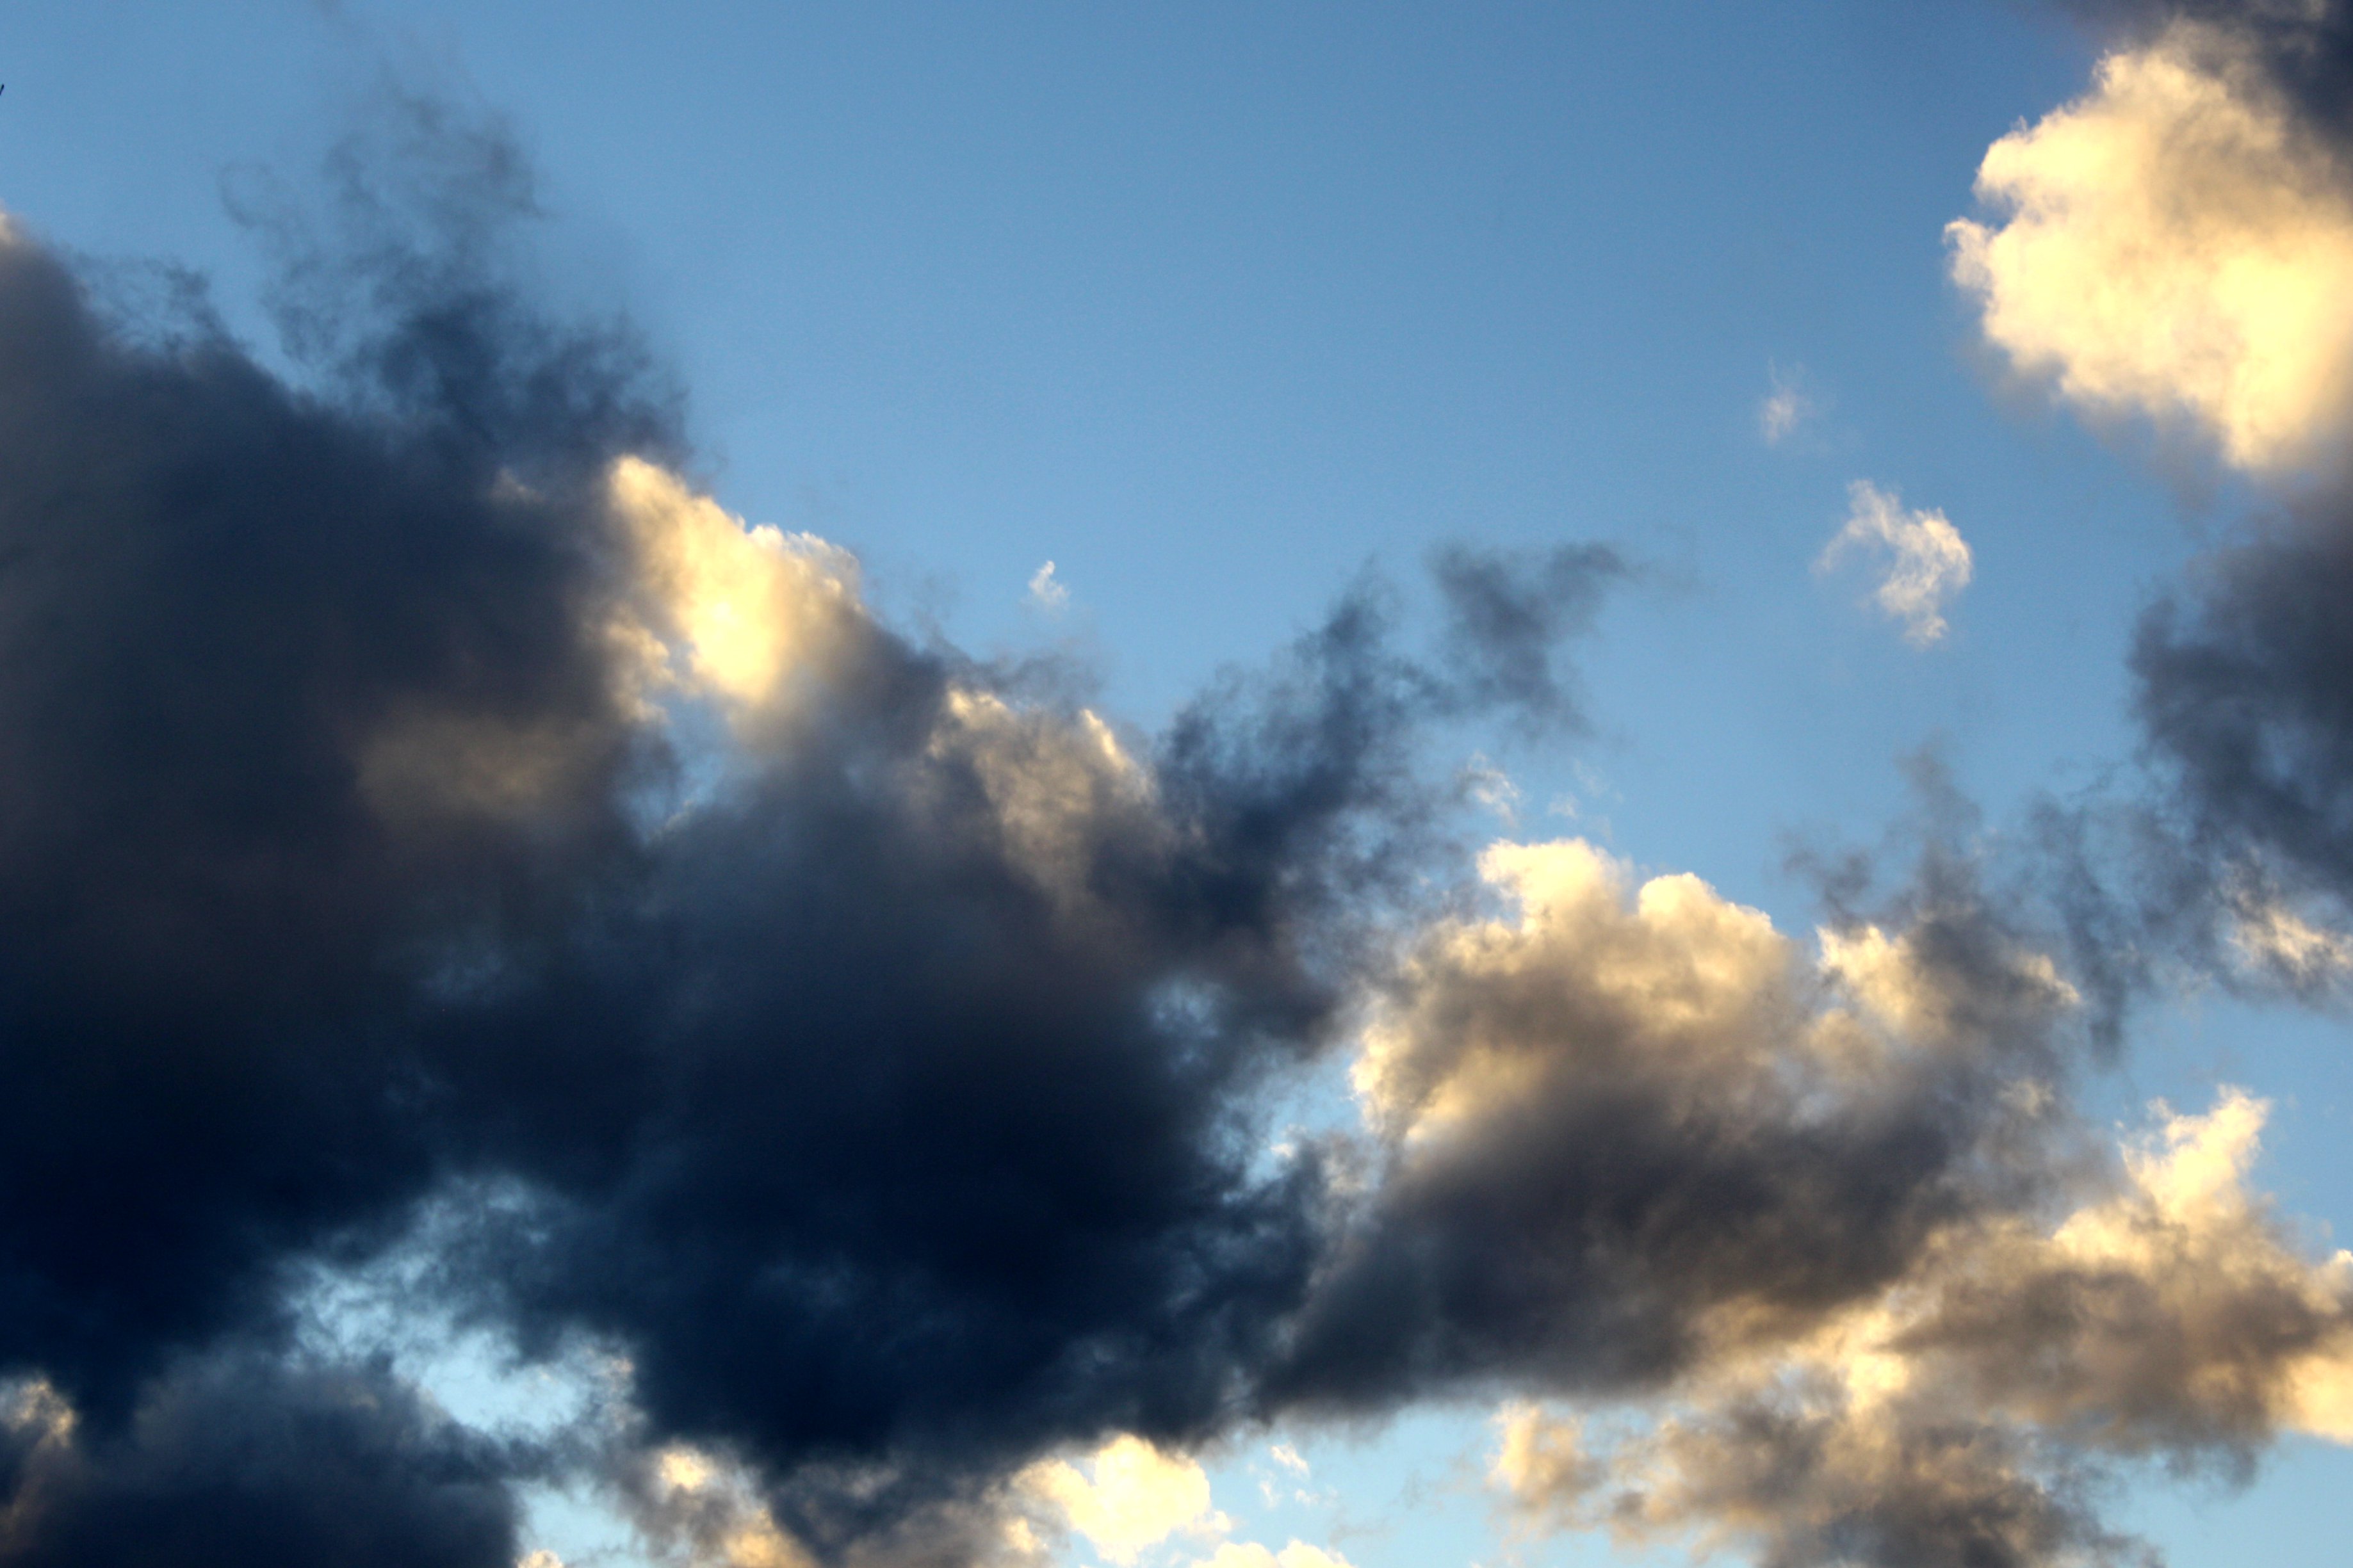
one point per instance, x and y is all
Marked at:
(1625, 1127)
(1130, 1496)
(1962, 1416)
(2177, 243)
(248, 1458)
(1926, 563)
(431, 820)
(425, 802)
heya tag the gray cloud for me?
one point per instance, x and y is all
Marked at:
(429, 816)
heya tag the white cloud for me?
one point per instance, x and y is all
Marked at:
(1045, 591)
(749, 609)
(2174, 245)
(1784, 408)
(1130, 1496)
(1250, 1554)
(1928, 561)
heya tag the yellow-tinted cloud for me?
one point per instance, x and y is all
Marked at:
(1130, 1496)
(743, 609)
(1250, 1554)
(2169, 1313)
(2174, 245)
(1054, 784)
(1696, 974)
(2272, 937)
(695, 1502)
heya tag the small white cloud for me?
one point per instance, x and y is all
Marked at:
(1928, 561)
(1288, 1457)
(1784, 408)
(1045, 591)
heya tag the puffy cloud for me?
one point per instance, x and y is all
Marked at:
(1955, 1418)
(1624, 1128)
(1130, 1496)
(2179, 242)
(430, 821)
(751, 609)
(1928, 561)
(429, 816)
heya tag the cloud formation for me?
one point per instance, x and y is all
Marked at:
(2177, 243)
(1623, 1130)
(1951, 1420)
(1927, 561)
(433, 826)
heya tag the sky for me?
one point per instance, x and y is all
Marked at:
(1222, 786)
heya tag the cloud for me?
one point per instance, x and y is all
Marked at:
(1784, 408)
(248, 1457)
(431, 820)
(1507, 615)
(2177, 243)
(1046, 590)
(2176, 246)
(1623, 1128)
(435, 825)
(1131, 1496)
(1928, 561)
(1961, 1416)
(1250, 1554)
(2242, 687)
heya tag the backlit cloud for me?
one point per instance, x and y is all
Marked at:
(2177, 243)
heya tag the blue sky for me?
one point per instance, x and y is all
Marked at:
(1217, 308)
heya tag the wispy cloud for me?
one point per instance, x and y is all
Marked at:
(1925, 561)
(1789, 404)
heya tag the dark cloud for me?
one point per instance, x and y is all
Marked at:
(257, 1458)
(1617, 1118)
(2302, 48)
(2245, 686)
(878, 1064)
(1509, 612)
(1798, 1477)
(879, 1070)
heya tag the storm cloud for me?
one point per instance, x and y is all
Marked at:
(434, 827)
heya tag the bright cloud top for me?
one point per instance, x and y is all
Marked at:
(1131, 1496)
(2175, 246)
(1927, 561)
